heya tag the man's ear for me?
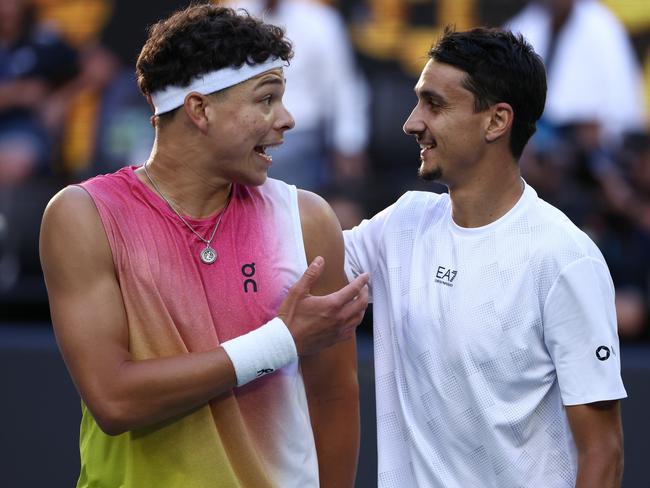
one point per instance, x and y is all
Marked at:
(500, 121)
(195, 107)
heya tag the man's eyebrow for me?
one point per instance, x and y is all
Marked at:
(429, 95)
(271, 80)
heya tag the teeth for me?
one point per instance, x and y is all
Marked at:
(426, 146)
(262, 152)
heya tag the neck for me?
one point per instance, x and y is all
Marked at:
(486, 198)
(187, 186)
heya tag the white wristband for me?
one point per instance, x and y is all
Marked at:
(261, 351)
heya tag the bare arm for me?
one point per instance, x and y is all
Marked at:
(92, 332)
(598, 434)
(331, 375)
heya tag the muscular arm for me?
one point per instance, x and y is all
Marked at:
(92, 332)
(91, 327)
(598, 434)
(330, 375)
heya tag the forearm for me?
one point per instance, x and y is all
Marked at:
(600, 467)
(336, 431)
(598, 434)
(141, 393)
(333, 395)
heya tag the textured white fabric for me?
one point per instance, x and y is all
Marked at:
(261, 351)
(595, 74)
(481, 336)
(173, 97)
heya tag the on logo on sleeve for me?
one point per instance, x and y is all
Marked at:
(603, 353)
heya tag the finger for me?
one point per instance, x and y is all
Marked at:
(309, 277)
(354, 309)
(351, 290)
(352, 313)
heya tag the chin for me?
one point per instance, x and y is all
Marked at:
(430, 174)
(257, 179)
(249, 179)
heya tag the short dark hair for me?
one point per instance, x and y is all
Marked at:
(500, 67)
(204, 38)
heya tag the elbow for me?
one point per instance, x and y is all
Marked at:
(112, 418)
(111, 427)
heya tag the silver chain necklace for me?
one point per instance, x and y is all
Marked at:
(208, 255)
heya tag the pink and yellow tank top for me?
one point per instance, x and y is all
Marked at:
(256, 436)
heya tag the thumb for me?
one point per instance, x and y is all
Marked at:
(310, 276)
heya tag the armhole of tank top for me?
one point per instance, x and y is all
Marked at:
(297, 226)
(103, 222)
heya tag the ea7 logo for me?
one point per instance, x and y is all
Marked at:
(445, 276)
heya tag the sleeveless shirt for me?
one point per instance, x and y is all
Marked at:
(258, 435)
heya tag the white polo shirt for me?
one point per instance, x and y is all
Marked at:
(481, 337)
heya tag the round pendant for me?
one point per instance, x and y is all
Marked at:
(208, 255)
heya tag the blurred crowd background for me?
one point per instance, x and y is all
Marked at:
(70, 109)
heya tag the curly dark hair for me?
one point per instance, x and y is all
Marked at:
(204, 38)
(500, 67)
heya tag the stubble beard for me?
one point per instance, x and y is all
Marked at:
(433, 174)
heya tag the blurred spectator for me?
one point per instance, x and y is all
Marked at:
(625, 241)
(593, 72)
(595, 98)
(36, 67)
(325, 93)
(81, 23)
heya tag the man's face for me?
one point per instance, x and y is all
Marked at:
(445, 125)
(247, 120)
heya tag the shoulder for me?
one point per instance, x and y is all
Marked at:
(73, 201)
(83, 208)
(314, 210)
(555, 237)
(70, 210)
(71, 231)
(123, 176)
(414, 207)
(114, 191)
(413, 212)
(412, 199)
(321, 231)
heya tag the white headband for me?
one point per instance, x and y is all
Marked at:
(173, 97)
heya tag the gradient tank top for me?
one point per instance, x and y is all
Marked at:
(255, 436)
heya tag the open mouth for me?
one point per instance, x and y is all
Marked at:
(426, 147)
(261, 150)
